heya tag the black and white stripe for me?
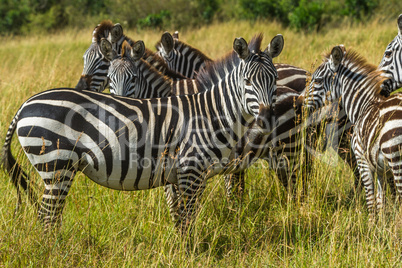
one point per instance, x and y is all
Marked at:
(135, 144)
(181, 57)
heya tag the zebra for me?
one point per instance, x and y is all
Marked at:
(188, 61)
(134, 144)
(376, 139)
(94, 74)
(391, 65)
(391, 62)
(131, 76)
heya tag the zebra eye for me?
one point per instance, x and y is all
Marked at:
(318, 80)
(247, 82)
(388, 54)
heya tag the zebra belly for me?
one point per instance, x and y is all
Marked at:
(135, 173)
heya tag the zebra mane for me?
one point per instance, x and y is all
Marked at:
(353, 59)
(102, 30)
(215, 71)
(167, 81)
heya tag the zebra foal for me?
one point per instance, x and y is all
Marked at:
(182, 139)
(377, 135)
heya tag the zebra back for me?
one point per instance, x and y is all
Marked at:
(291, 76)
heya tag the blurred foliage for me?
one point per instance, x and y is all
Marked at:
(26, 16)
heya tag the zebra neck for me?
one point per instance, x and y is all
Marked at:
(153, 83)
(357, 97)
(192, 60)
(230, 106)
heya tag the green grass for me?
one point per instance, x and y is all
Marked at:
(102, 227)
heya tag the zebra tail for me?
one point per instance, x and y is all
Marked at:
(18, 177)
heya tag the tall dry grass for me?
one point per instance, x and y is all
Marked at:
(102, 227)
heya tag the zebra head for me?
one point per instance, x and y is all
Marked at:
(391, 62)
(122, 74)
(166, 49)
(94, 74)
(258, 74)
(323, 80)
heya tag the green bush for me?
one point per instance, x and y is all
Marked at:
(14, 15)
(32, 16)
(154, 20)
(307, 15)
(359, 8)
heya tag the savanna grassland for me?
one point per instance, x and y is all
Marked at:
(104, 228)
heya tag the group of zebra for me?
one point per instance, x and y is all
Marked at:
(176, 118)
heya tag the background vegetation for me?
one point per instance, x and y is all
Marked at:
(26, 16)
(102, 227)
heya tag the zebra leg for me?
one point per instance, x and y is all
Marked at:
(57, 185)
(346, 153)
(395, 165)
(191, 187)
(367, 179)
(234, 185)
(380, 193)
(172, 199)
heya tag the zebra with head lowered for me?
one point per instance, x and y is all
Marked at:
(377, 135)
(94, 74)
(135, 144)
(391, 62)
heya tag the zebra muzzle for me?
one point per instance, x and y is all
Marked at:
(264, 118)
(83, 83)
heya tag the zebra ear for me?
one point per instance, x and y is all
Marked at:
(336, 57)
(176, 35)
(116, 32)
(275, 47)
(241, 48)
(107, 50)
(126, 49)
(167, 42)
(400, 24)
(138, 50)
